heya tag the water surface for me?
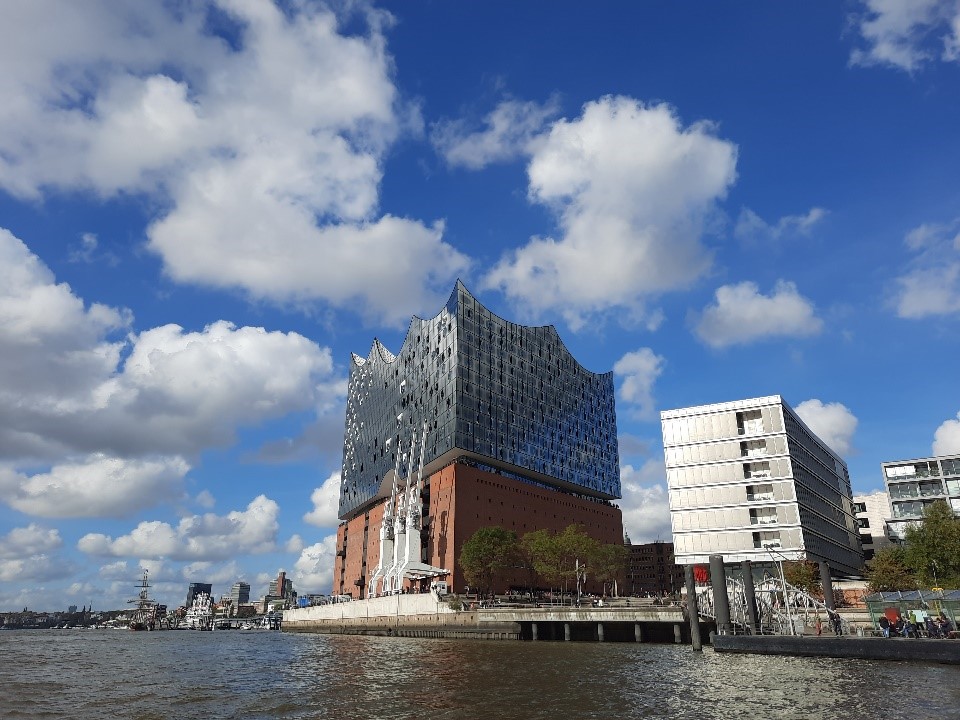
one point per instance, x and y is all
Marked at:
(260, 674)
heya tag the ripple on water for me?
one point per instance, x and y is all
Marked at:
(253, 675)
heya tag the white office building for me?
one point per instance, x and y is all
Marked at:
(872, 512)
(749, 480)
(914, 484)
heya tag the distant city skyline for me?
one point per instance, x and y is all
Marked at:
(204, 210)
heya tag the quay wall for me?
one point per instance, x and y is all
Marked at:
(424, 615)
(414, 615)
(925, 650)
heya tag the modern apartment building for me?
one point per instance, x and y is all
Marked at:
(914, 484)
(477, 421)
(872, 512)
(750, 481)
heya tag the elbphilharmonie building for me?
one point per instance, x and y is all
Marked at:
(476, 421)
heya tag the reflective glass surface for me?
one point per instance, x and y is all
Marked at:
(481, 384)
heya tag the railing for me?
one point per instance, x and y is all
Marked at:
(782, 608)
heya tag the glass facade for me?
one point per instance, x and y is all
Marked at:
(748, 480)
(508, 394)
(914, 484)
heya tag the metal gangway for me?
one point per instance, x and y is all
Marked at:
(782, 608)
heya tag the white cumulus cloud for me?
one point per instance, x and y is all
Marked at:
(638, 371)
(946, 439)
(906, 34)
(831, 422)
(645, 504)
(510, 131)
(28, 541)
(264, 149)
(326, 503)
(742, 314)
(313, 571)
(114, 422)
(632, 188)
(930, 283)
(97, 486)
(207, 537)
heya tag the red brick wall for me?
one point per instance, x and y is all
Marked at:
(356, 564)
(464, 499)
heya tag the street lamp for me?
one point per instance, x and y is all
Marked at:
(783, 584)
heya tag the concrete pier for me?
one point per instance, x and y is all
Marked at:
(721, 601)
(900, 649)
(746, 568)
(425, 615)
(826, 583)
(693, 613)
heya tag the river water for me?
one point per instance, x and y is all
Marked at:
(262, 674)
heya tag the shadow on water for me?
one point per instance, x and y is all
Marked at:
(184, 675)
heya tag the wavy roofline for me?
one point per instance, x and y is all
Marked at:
(379, 350)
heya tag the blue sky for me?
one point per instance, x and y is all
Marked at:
(206, 207)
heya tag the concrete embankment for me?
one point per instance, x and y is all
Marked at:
(426, 616)
(926, 650)
(401, 615)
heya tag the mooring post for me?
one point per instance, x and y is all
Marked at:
(751, 596)
(637, 632)
(721, 601)
(826, 583)
(600, 632)
(678, 634)
(566, 631)
(693, 614)
(533, 628)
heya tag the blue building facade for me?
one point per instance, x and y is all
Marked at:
(479, 389)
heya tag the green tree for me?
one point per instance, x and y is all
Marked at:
(932, 548)
(540, 551)
(802, 574)
(486, 553)
(576, 551)
(610, 564)
(888, 571)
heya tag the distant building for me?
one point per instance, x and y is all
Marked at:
(914, 484)
(652, 570)
(240, 593)
(282, 587)
(195, 589)
(872, 512)
(750, 481)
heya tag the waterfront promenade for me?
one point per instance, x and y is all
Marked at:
(426, 615)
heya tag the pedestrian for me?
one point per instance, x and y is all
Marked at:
(819, 625)
(884, 624)
(837, 626)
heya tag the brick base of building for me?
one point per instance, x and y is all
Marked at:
(459, 500)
